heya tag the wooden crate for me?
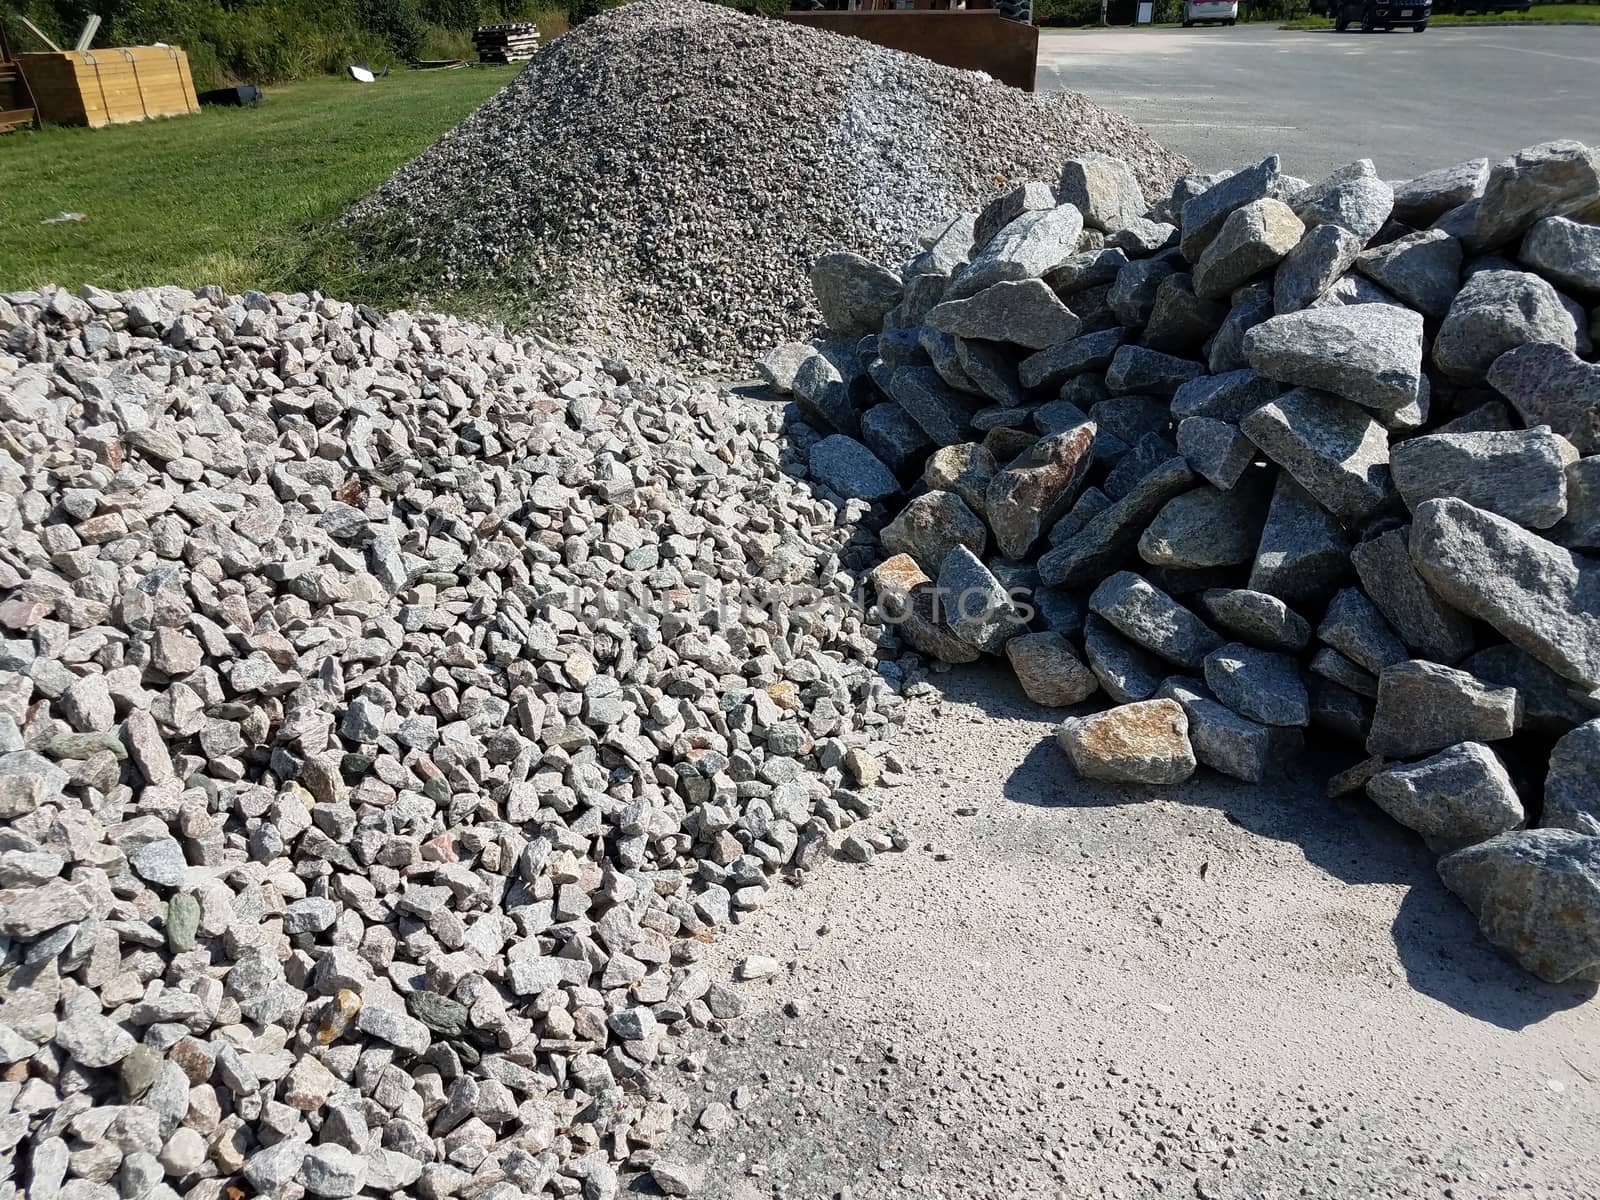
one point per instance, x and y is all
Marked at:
(109, 87)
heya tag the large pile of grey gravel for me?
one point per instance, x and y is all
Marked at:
(660, 179)
(1258, 459)
(389, 709)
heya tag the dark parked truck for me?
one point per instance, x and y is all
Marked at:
(1381, 14)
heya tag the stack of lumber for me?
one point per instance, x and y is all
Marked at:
(516, 41)
(111, 86)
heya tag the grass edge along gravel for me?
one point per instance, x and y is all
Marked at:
(237, 197)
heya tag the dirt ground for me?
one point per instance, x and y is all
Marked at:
(1080, 990)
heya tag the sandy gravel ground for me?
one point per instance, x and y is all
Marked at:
(1073, 990)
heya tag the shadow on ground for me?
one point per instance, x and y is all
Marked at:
(1436, 938)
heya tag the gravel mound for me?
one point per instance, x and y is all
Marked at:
(389, 711)
(1262, 462)
(660, 179)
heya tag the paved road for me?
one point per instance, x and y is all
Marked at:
(1407, 101)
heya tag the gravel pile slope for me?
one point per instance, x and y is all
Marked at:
(1265, 457)
(388, 711)
(660, 178)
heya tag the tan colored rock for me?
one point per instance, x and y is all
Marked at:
(965, 469)
(1050, 673)
(1147, 742)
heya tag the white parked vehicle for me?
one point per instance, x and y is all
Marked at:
(1223, 12)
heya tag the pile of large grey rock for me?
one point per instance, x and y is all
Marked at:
(649, 182)
(390, 709)
(1260, 458)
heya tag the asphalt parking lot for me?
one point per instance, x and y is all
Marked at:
(1225, 96)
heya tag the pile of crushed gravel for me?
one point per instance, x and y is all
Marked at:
(660, 179)
(389, 710)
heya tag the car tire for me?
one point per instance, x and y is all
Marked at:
(1188, 24)
(1420, 27)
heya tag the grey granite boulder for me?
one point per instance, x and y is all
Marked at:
(1538, 595)
(1334, 450)
(898, 441)
(1428, 626)
(1313, 266)
(778, 365)
(1132, 297)
(1303, 550)
(1458, 797)
(1086, 269)
(1335, 667)
(849, 468)
(1181, 321)
(942, 353)
(1052, 367)
(1225, 397)
(1427, 197)
(826, 396)
(1029, 246)
(944, 413)
(1551, 705)
(1152, 619)
(1423, 269)
(1255, 617)
(1580, 528)
(1497, 311)
(1203, 215)
(1139, 370)
(1145, 742)
(1049, 671)
(1258, 684)
(1564, 251)
(1424, 707)
(1104, 188)
(992, 366)
(1222, 739)
(1206, 528)
(1548, 180)
(1353, 196)
(1252, 241)
(1354, 627)
(1090, 553)
(1024, 312)
(1143, 236)
(853, 294)
(1521, 475)
(1572, 784)
(932, 525)
(975, 605)
(1034, 491)
(1536, 894)
(1215, 450)
(1033, 196)
(1251, 306)
(1550, 385)
(1370, 354)
(1127, 671)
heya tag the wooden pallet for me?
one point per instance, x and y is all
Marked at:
(16, 102)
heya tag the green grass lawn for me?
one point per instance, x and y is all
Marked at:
(227, 196)
(1540, 14)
